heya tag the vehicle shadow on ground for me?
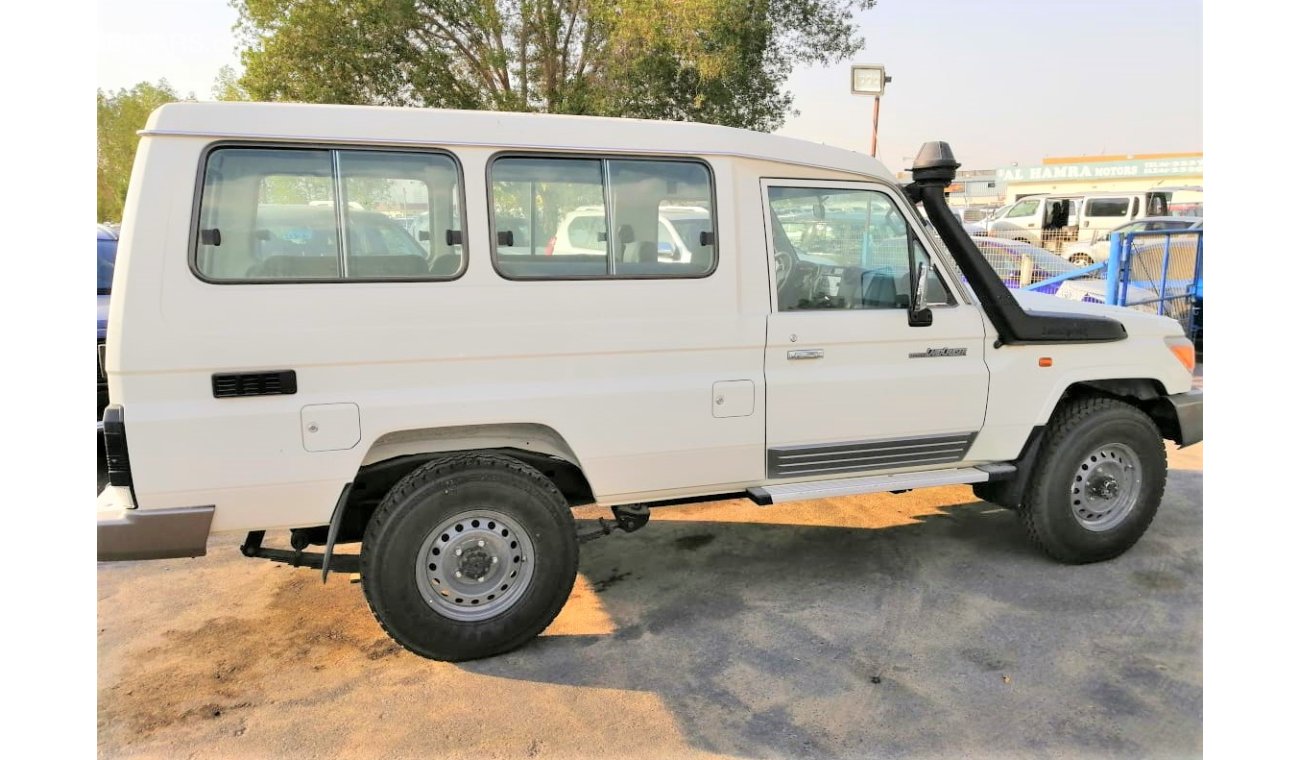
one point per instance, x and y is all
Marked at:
(924, 624)
(768, 639)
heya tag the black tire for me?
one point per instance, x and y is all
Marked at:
(1082, 259)
(429, 496)
(1078, 428)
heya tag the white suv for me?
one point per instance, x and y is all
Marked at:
(443, 399)
(583, 231)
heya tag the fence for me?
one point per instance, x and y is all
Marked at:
(1158, 271)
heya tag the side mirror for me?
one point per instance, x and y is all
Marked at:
(918, 312)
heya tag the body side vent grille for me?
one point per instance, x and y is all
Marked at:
(276, 383)
(821, 459)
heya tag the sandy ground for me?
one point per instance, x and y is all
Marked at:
(885, 626)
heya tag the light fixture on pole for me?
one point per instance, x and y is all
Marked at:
(870, 79)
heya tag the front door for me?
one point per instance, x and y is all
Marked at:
(1022, 221)
(851, 387)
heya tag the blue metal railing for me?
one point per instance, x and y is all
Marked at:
(1086, 271)
(1123, 264)
(1158, 271)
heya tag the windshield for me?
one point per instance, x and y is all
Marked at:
(107, 256)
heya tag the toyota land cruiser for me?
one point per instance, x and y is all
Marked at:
(281, 357)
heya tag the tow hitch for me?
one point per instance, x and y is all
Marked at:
(627, 518)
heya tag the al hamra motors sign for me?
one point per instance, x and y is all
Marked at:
(1162, 167)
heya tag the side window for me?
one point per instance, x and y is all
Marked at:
(379, 186)
(560, 202)
(602, 218)
(1024, 208)
(1106, 207)
(646, 194)
(290, 214)
(843, 249)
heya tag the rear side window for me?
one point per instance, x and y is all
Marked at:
(298, 214)
(1106, 207)
(611, 218)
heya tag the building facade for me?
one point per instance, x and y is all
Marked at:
(1087, 174)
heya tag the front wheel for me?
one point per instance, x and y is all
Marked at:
(469, 556)
(1097, 482)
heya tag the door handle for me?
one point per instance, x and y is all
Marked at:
(803, 354)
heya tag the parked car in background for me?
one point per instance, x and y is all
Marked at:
(983, 225)
(1187, 202)
(583, 232)
(972, 228)
(300, 242)
(1021, 264)
(1097, 251)
(106, 257)
(1054, 220)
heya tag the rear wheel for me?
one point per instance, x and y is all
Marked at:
(1097, 483)
(469, 556)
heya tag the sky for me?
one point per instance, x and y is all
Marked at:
(1003, 81)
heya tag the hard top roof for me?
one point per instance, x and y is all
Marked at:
(506, 130)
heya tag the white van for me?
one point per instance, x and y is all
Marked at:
(583, 231)
(1053, 220)
(444, 398)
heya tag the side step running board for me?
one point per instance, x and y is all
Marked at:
(821, 489)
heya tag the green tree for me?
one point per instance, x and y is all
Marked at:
(720, 61)
(121, 115)
(227, 86)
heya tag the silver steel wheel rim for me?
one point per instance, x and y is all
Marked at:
(1105, 487)
(475, 565)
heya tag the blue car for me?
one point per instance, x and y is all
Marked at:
(107, 243)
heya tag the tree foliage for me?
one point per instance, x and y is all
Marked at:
(121, 115)
(227, 86)
(719, 61)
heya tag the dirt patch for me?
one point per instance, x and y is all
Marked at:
(227, 664)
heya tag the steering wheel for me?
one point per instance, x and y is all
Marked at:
(784, 266)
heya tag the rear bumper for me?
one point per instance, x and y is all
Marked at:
(126, 534)
(1180, 417)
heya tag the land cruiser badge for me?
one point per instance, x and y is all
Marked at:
(932, 353)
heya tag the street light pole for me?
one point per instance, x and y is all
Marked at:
(870, 80)
(875, 124)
